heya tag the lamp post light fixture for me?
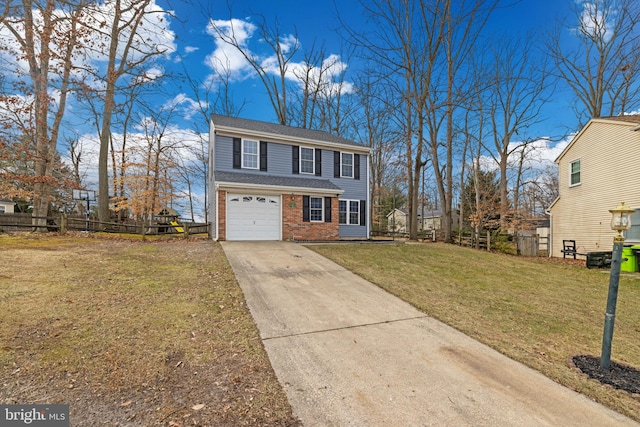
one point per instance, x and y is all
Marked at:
(620, 221)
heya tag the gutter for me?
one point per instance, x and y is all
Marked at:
(276, 188)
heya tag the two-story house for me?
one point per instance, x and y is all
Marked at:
(274, 182)
(597, 171)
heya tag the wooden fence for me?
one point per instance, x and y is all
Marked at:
(62, 223)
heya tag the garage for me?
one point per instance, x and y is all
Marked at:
(253, 217)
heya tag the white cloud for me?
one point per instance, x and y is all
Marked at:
(186, 106)
(596, 21)
(190, 49)
(227, 60)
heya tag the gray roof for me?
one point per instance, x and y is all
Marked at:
(277, 129)
(274, 180)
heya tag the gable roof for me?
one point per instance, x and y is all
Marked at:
(628, 120)
(277, 132)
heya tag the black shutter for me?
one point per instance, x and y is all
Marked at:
(306, 217)
(356, 166)
(363, 212)
(263, 156)
(295, 155)
(237, 153)
(318, 162)
(327, 209)
(336, 164)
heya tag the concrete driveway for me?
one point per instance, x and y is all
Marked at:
(348, 353)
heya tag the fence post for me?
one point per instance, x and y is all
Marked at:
(488, 241)
(63, 223)
(185, 228)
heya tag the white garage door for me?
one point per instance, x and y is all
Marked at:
(253, 217)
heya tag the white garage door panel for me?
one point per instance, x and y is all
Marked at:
(253, 217)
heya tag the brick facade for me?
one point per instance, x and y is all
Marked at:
(222, 215)
(293, 228)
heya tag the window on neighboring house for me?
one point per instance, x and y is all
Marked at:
(574, 171)
(307, 160)
(349, 212)
(633, 233)
(315, 208)
(2, 209)
(250, 154)
(346, 165)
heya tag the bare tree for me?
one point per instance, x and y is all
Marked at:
(518, 89)
(126, 52)
(47, 39)
(283, 49)
(603, 68)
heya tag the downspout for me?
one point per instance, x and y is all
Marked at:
(369, 207)
(217, 213)
(550, 236)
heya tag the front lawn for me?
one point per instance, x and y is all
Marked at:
(132, 333)
(540, 312)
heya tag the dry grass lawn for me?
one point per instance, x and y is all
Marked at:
(536, 311)
(132, 333)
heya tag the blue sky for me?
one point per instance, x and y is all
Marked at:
(316, 22)
(192, 46)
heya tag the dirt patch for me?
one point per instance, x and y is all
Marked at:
(132, 333)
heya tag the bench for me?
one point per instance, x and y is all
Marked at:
(569, 248)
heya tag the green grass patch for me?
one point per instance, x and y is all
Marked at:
(537, 311)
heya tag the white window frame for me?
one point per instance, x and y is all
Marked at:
(3, 209)
(312, 209)
(349, 212)
(571, 163)
(343, 165)
(255, 155)
(313, 161)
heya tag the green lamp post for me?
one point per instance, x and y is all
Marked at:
(620, 221)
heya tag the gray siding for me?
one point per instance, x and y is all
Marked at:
(279, 162)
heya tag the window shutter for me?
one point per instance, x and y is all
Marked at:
(327, 209)
(306, 217)
(356, 166)
(263, 155)
(318, 162)
(237, 153)
(336, 164)
(295, 155)
(363, 212)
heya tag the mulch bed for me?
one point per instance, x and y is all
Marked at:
(621, 377)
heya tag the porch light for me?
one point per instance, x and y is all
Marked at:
(620, 221)
(621, 218)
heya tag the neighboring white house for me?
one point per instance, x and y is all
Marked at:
(6, 206)
(397, 220)
(598, 170)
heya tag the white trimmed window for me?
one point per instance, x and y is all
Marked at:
(574, 173)
(316, 209)
(250, 154)
(346, 165)
(307, 160)
(349, 212)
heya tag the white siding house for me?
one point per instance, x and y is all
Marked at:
(598, 170)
